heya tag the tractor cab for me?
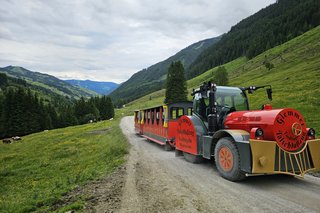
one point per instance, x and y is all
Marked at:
(228, 99)
(213, 103)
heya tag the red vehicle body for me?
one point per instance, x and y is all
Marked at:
(159, 124)
(242, 142)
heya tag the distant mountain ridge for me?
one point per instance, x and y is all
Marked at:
(153, 78)
(103, 88)
(47, 83)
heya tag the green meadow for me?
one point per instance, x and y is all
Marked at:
(37, 171)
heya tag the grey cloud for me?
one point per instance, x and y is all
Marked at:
(109, 40)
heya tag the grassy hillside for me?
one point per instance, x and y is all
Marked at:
(37, 171)
(47, 84)
(294, 78)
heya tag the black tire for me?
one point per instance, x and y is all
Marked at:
(231, 168)
(167, 147)
(192, 158)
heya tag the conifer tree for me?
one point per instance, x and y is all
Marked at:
(54, 116)
(221, 77)
(3, 79)
(176, 85)
(110, 108)
(103, 107)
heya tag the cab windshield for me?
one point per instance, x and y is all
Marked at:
(231, 97)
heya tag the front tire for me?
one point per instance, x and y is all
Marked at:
(227, 160)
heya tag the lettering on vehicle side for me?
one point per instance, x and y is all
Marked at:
(186, 136)
(247, 119)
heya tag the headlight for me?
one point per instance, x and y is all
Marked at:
(256, 133)
(311, 133)
(259, 132)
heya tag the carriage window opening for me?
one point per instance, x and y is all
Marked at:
(149, 116)
(158, 117)
(152, 117)
(180, 112)
(173, 113)
(189, 111)
(163, 115)
(145, 117)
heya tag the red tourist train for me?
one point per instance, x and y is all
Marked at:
(218, 124)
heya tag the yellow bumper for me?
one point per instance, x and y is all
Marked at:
(269, 158)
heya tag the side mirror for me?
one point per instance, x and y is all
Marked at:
(269, 92)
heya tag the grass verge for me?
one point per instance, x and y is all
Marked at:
(37, 171)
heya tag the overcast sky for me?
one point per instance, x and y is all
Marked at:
(109, 40)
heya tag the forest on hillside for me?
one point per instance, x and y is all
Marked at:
(24, 110)
(271, 26)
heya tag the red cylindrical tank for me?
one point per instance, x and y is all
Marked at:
(285, 126)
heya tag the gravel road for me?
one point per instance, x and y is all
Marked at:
(157, 181)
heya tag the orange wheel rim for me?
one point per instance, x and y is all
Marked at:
(225, 159)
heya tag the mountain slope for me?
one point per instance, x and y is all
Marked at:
(152, 79)
(294, 78)
(103, 88)
(269, 27)
(47, 82)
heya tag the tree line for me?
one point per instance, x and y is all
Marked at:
(22, 111)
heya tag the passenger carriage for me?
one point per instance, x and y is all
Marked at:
(159, 124)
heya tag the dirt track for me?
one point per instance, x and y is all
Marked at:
(154, 180)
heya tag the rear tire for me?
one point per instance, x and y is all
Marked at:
(192, 158)
(227, 159)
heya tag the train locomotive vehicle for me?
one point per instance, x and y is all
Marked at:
(243, 142)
